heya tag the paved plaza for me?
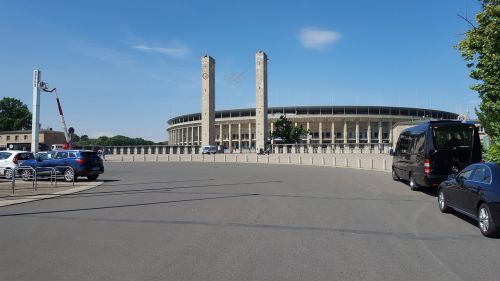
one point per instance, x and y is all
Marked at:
(238, 221)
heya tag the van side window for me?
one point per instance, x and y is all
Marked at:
(404, 144)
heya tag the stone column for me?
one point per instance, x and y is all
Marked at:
(249, 134)
(345, 131)
(230, 132)
(261, 129)
(192, 135)
(333, 136)
(320, 132)
(221, 138)
(272, 129)
(239, 137)
(369, 132)
(357, 132)
(208, 100)
(379, 131)
(390, 133)
(198, 136)
(308, 134)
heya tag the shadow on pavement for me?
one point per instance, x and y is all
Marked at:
(123, 206)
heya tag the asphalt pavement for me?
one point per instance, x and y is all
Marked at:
(214, 221)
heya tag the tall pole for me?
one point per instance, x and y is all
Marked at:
(35, 124)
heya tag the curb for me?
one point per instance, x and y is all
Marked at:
(7, 202)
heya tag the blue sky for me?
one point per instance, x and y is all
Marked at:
(126, 67)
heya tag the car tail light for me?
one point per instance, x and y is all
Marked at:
(427, 166)
(80, 161)
(15, 159)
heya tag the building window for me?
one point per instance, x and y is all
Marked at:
(8, 138)
(16, 138)
(25, 137)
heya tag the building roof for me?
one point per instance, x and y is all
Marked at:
(27, 132)
(324, 110)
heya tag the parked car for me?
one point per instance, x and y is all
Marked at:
(474, 192)
(209, 149)
(427, 153)
(84, 163)
(11, 159)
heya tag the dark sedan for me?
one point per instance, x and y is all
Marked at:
(474, 192)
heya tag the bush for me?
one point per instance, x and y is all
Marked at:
(493, 153)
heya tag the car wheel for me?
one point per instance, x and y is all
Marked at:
(413, 184)
(69, 175)
(8, 174)
(26, 175)
(92, 177)
(394, 175)
(443, 207)
(486, 224)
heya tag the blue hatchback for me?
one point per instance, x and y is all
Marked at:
(69, 163)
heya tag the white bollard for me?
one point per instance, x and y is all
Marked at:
(191, 157)
(323, 161)
(168, 158)
(133, 158)
(224, 158)
(384, 165)
(289, 160)
(300, 159)
(334, 161)
(346, 162)
(246, 158)
(371, 163)
(267, 159)
(156, 158)
(122, 158)
(359, 162)
(312, 161)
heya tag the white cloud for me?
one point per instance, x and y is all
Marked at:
(175, 50)
(315, 38)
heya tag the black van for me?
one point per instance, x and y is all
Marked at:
(427, 153)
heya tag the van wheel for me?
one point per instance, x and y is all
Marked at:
(413, 185)
(394, 175)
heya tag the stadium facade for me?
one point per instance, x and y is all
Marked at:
(354, 125)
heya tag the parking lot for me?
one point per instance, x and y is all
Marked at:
(222, 221)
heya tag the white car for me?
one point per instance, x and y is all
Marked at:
(10, 159)
(209, 149)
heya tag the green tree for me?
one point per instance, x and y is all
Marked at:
(14, 115)
(284, 130)
(481, 50)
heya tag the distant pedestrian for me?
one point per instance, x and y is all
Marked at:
(104, 154)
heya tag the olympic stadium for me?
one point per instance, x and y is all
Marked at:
(353, 125)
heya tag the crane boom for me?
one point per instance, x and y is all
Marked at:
(66, 134)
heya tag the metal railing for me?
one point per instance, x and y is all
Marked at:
(35, 172)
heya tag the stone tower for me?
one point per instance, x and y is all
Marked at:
(207, 100)
(261, 127)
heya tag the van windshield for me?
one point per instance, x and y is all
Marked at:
(452, 137)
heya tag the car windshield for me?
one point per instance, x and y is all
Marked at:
(4, 155)
(450, 137)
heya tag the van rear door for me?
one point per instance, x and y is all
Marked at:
(453, 148)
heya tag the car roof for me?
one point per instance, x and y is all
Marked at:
(17, 151)
(71, 150)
